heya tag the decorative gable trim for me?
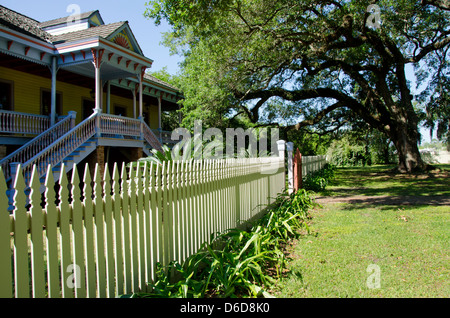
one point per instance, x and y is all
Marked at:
(125, 38)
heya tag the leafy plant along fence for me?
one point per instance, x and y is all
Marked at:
(104, 237)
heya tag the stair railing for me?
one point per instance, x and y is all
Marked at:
(61, 148)
(150, 137)
(38, 144)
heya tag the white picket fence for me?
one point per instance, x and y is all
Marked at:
(104, 237)
(312, 163)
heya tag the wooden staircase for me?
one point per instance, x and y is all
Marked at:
(72, 145)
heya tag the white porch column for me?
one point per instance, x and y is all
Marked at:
(141, 99)
(53, 93)
(98, 90)
(97, 55)
(141, 94)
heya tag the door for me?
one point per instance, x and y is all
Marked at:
(6, 96)
(88, 108)
(46, 103)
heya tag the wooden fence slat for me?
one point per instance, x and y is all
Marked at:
(183, 211)
(110, 263)
(126, 231)
(215, 220)
(53, 277)
(158, 215)
(175, 214)
(153, 217)
(219, 198)
(37, 241)
(207, 201)
(196, 206)
(146, 225)
(165, 212)
(22, 288)
(64, 226)
(99, 233)
(140, 227)
(6, 272)
(133, 229)
(189, 208)
(88, 206)
(117, 208)
(77, 236)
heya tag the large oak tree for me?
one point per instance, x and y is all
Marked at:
(324, 62)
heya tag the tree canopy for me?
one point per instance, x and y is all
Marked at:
(314, 62)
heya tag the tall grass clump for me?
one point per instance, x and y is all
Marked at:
(238, 263)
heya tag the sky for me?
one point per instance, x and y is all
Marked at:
(147, 34)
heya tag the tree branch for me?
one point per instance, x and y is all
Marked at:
(441, 4)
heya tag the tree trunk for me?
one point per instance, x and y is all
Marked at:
(406, 143)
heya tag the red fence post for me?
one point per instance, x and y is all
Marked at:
(298, 178)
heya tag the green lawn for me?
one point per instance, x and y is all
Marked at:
(408, 244)
(377, 180)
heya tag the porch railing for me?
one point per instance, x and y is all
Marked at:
(118, 125)
(38, 144)
(54, 145)
(22, 123)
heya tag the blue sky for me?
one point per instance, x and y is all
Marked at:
(147, 34)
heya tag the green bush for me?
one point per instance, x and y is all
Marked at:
(318, 181)
(239, 263)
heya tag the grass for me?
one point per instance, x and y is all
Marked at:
(408, 243)
(378, 180)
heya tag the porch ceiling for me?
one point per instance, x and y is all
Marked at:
(107, 71)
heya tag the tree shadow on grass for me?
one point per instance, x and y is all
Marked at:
(380, 181)
(390, 202)
(363, 187)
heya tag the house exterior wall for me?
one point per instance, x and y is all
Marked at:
(27, 90)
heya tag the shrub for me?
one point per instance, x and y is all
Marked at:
(318, 180)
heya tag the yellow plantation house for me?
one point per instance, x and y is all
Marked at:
(74, 92)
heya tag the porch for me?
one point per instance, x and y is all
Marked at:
(68, 144)
(19, 128)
